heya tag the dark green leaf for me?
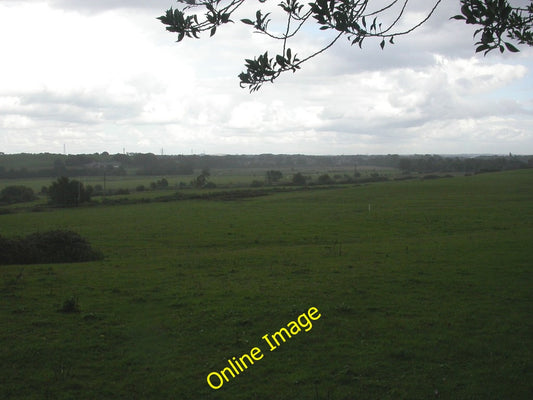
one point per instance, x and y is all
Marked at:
(511, 48)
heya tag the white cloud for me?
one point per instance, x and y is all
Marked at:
(105, 75)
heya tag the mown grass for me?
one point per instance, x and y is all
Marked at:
(424, 288)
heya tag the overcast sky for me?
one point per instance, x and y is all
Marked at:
(104, 75)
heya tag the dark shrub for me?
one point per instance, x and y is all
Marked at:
(47, 247)
(17, 194)
(299, 179)
(160, 184)
(325, 180)
(273, 176)
(7, 251)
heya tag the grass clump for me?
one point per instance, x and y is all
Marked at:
(70, 305)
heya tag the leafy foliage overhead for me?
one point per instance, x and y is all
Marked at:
(498, 20)
(354, 19)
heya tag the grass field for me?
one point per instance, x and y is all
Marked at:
(238, 177)
(424, 290)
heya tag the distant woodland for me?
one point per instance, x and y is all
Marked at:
(26, 165)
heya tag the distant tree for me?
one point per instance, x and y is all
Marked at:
(59, 167)
(299, 179)
(405, 165)
(185, 168)
(201, 180)
(17, 194)
(325, 179)
(122, 158)
(76, 160)
(68, 193)
(273, 176)
(499, 22)
(159, 184)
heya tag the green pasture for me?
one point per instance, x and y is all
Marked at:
(129, 182)
(221, 177)
(424, 290)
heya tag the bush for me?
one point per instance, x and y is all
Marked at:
(273, 176)
(299, 179)
(47, 247)
(65, 192)
(160, 184)
(17, 194)
(325, 180)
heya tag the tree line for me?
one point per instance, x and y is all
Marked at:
(151, 164)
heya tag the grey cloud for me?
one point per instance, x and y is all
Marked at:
(96, 6)
(104, 5)
(424, 103)
(76, 107)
